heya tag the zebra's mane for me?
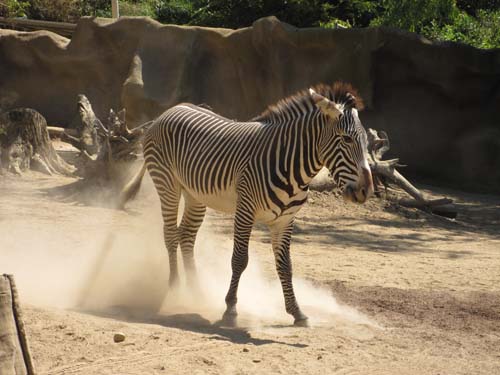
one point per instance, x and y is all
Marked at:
(340, 92)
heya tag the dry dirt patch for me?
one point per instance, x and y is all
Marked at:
(388, 290)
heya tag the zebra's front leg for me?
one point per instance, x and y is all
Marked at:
(281, 236)
(243, 223)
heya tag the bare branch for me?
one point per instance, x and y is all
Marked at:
(385, 170)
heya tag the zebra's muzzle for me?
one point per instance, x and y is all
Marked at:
(362, 191)
(349, 194)
(354, 195)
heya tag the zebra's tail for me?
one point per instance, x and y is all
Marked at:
(132, 188)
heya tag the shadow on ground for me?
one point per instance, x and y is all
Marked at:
(192, 322)
(359, 225)
(476, 313)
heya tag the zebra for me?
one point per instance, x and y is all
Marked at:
(258, 170)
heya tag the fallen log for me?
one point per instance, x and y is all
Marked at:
(412, 203)
(385, 176)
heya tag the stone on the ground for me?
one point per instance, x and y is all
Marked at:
(118, 337)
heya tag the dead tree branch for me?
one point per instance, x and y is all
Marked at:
(106, 151)
(384, 172)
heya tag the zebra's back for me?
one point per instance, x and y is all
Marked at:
(207, 153)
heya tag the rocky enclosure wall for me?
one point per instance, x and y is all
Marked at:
(439, 103)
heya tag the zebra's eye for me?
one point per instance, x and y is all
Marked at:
(347, 139)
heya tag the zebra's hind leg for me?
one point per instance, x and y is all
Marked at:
(243, 223)
(194, 213)
(281, 236)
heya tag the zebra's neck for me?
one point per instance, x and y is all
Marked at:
(295, 152)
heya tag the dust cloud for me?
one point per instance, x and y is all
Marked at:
(95, 259)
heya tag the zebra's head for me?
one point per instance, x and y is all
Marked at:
(343, 143)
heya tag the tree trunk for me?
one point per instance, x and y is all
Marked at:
(25, 143)
(106, 154)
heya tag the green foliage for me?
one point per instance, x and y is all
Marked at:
(137, 8)
(335, 23)
(235, 13)
(53, 10)
(415, 15)
(300, 13)
(67, 10)
(356, 13)
(482, 31)
(475, 22)
(96, 8)
(13, 8)
(473, 6)
(444, 20)
(178, 12)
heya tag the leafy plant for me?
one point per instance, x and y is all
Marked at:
(482, 31)
(335, 23)
(415, 15)
(178, 12)
(137, 8)
(54, 10)
(443, 20)
(13, 8)
(96, 8)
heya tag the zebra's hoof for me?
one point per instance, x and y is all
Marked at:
(229, 319)
(301, 322)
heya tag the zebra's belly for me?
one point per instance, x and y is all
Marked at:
(224, 200)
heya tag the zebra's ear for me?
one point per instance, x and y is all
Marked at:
(326, 106)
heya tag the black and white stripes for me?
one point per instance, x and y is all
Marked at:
(259, 170)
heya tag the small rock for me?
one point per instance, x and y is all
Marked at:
(119, 337)
(320, 356)
(245, 350)
(256, 361)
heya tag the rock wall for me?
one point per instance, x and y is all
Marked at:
(439, 103)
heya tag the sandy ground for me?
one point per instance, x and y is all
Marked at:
(388, 290)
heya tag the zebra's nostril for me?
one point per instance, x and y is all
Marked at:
(363, 192)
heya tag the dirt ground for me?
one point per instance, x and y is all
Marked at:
(388, 290)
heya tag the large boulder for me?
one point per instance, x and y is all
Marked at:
(433, 99)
